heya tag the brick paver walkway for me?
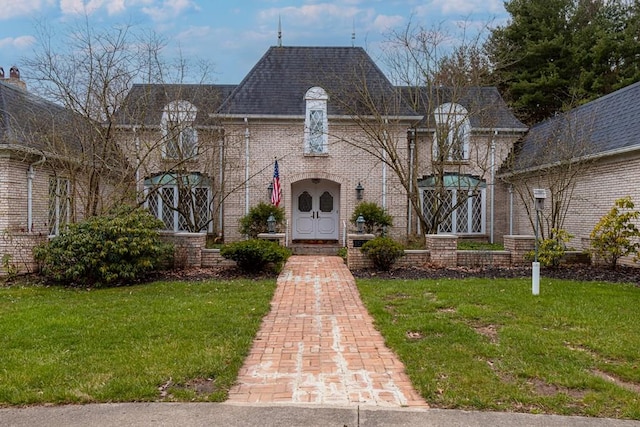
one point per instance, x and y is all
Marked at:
(318, 345)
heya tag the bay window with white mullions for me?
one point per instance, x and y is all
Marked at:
(178, 131)
(182, 203)
(452, 134)
(59, 204)
(458, 205)
(316, 126)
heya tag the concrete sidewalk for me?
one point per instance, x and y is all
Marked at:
(229, 415)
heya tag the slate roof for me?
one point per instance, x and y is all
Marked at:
(604, 126)
(145, 102)
(486, 107)
(277, 84)
(29, 121)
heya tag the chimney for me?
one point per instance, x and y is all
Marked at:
(14, 77)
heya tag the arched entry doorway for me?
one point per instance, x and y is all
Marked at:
(315, 210)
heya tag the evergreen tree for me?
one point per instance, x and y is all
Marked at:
(555, 54)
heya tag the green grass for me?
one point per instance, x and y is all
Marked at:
(490, 345)
(159, 341)
(464, 245)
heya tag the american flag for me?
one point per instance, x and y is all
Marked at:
(275, 195)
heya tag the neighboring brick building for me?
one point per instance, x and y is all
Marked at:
(586, 159)
(322, 112)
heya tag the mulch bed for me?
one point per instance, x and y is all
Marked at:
(571, 272)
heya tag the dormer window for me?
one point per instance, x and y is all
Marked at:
(451, 138)
(316, 127)
(180, 136)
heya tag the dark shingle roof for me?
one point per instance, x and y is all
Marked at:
(145, 102)
(606, 125)
(32, 122)
(486, 107)
(277, 84)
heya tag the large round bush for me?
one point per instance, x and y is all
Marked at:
(254, 255)
(105, 250)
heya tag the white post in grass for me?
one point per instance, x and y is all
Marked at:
(539, 195)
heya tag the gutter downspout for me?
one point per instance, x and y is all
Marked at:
(384, 166)
(493, 183)
(30, 175)
(220, 186)
(412, 146)
(247, 134)
(511, 210)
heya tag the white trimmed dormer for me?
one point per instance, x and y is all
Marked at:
(453, 130)
(179, 134)
(316, 126)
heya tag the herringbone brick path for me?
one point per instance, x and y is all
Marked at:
(318, 345)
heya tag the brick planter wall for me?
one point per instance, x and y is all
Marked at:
(212, 258)
(19, 246)
(443, 249)
(518, 246)
(356, 260)
(188, 248)
(477, 259)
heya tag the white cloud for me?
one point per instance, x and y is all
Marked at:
(15, 8)
(169, 9)
(461, 7)
(19, 43)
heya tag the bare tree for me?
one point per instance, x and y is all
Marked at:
(124, 141)
(436, 78)
(555, 155)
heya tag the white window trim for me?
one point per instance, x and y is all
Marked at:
(316, 100)
(183, 115)
(176, 199)
(454, 214)
(58, 221)
(456, 119)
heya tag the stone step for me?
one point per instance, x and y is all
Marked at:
(315, 249)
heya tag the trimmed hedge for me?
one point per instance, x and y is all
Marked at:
(383, 252)
(255, 254)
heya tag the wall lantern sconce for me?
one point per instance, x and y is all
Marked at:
(360, 224)
(359, 191)
(270, 190)
(271, 224)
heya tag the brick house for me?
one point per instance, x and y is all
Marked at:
(585, 159)
(43, 180)
(205, 153)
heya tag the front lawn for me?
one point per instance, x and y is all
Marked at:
(160, 341)
(488, 344)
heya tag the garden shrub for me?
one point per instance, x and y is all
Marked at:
(255, 222)
(255, 254)
(105, 250)
(383, 252)
(375, 218)
(615, 235)
(551, 250)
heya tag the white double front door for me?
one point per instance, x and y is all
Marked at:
(316, 210)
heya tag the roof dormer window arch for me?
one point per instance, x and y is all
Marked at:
(178, 131)
(316, 126)
(453, 131)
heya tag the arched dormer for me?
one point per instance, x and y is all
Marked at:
(453, 131)
(178, 131)
(316, 126)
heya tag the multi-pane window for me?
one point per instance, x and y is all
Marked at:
(456, 210)
(451, 138)
(59, 205)
(180, 136)
(185, 207)
(316, 125)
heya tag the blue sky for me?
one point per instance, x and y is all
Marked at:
(234, 34)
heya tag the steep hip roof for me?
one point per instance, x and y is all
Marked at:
(277, 84)
(487, 110)
(145, 103)
(605, 126)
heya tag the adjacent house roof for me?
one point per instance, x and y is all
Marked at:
(33, 123)
(144, 103)
(277, 84)
(605, 126)
(487, 109)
